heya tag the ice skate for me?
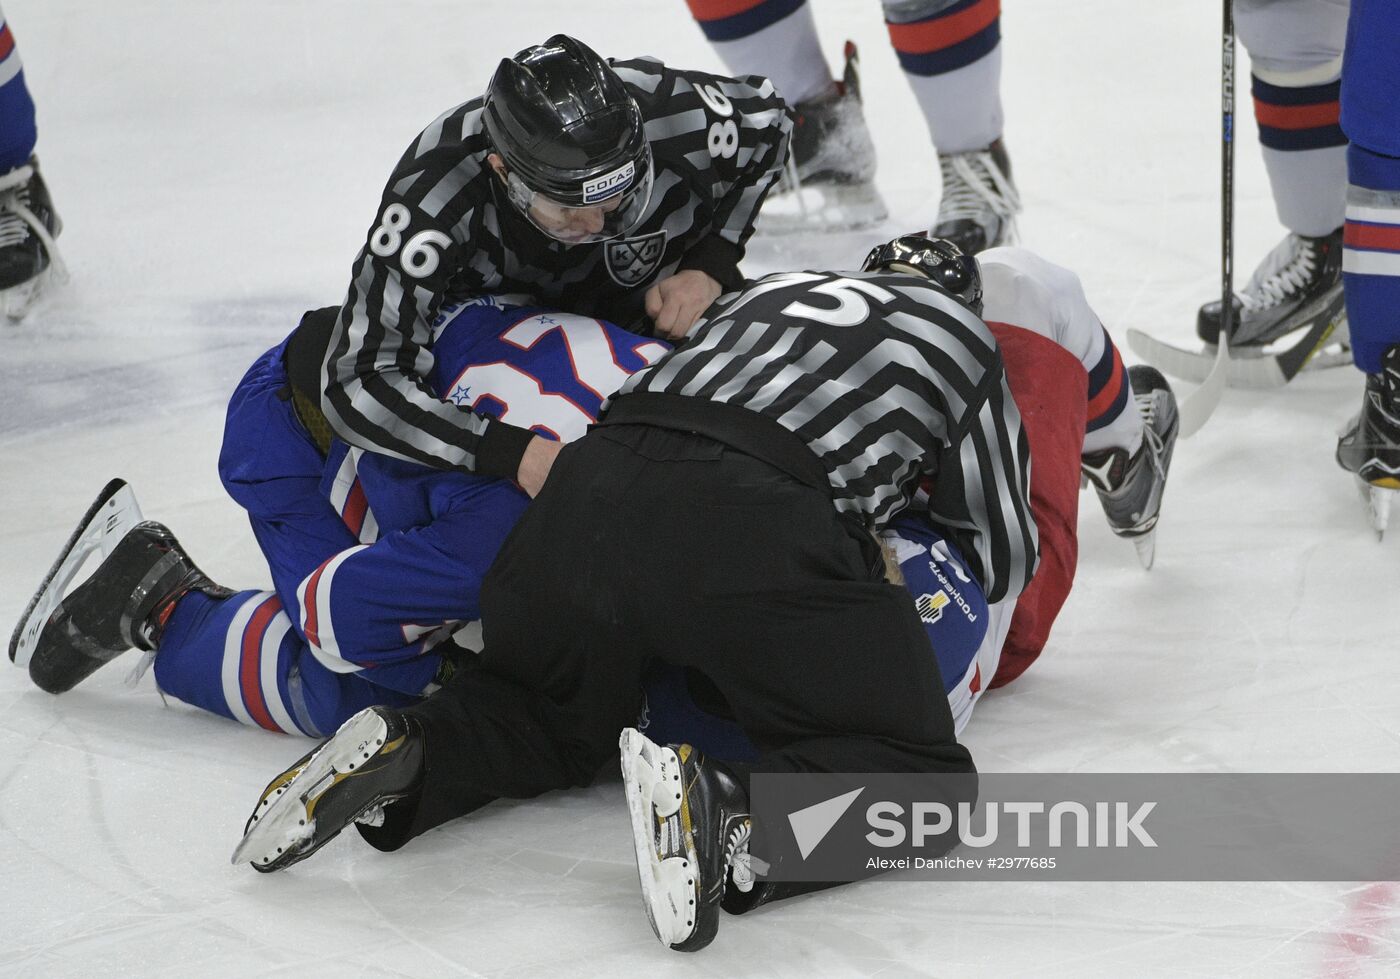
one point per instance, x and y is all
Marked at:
(1298, 284)
(1370, 445)
(980, 203)
(29, 258)
(1289, 318)
(122, 606)
(829, 183)
(112, 514)
(1131, 487)
(375, 758)
(690, 826)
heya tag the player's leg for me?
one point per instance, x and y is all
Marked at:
(683, 706)
(367, 622)
(237, 655)
(148, 580)
(950, 51)
(124, 604)
(832, 154)
(234, 654)
(541, 708)
(28, 222)
(382, 609)
(773, 38)
(1295, 50)
(246, 657)
(1130, 414)
(241, 658)
(643, 515)
(309, 513)
(271, 466)
(1370, 446)
(18, 132)
(1024, 290)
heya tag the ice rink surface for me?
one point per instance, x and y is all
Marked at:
(216, 166)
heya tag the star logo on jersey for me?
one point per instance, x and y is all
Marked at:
(461, 395)
(631, 261)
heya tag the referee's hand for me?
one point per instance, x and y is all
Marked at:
(674, 304)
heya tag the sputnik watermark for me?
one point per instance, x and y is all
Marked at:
(1106, 824)
(825, 827)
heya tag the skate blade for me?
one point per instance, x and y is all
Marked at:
(112, 514)
(1379, 497)
(827, 207)
(282, 829)
(651, 779)
(1146, 546)
(17, 301)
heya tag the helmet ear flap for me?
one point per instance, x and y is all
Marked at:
(952, 278)
(940, 261)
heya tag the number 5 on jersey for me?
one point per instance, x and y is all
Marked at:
(420, 256)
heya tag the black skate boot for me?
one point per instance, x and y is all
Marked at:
(1370, 446)
(690, 826)
(1131, 487)
(124, 605)
(28, 227)
(830, 177)
(1298, 283)
(980, 203)
(374, 759)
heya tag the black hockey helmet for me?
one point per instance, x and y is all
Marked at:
(572, 138)
(940, 261)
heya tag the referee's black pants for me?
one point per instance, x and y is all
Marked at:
(647, 542)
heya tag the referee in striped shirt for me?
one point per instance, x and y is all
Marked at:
(721, 519)
(619, 189)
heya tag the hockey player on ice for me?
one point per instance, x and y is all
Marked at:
(1370, 444)
(950, 51)
(505, 741)
(621, 190)
(28, 223)
(376, 562)
(1295, 50)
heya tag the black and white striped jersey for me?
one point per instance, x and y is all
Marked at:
(891, 384)
(446, 231)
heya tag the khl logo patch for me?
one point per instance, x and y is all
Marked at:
(631, 261)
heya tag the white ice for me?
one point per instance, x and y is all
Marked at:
(217, 164)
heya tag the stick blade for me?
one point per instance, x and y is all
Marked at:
(1200, 404)
(1189, 365)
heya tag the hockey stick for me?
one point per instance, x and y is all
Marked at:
(1198, 406)
(1260, 372)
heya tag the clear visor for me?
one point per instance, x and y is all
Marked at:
(575, 225)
